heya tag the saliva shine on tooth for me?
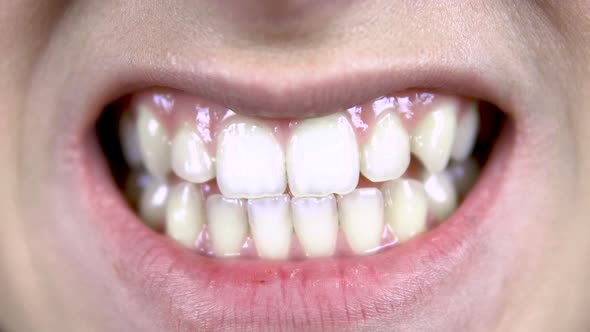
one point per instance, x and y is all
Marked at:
(321, 163)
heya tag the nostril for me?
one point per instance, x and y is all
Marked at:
(226, 185)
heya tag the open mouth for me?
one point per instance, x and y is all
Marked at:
(351, 182)
(331, 217)
(345, 213)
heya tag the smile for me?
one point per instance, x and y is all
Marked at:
(298, 211)
(340, 184)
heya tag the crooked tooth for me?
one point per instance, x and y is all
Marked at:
(154, 143)
(386, 155)
(432, 139)
(464, 175)
(442, 195)
(271, 226)
(250, 161)
(316, 224)
(323, 157)
(152, 204)
(190, 159)
(185, 214)
(129, 140)
(467, 130)
(361, 218)
(406, 207)
(227, 222)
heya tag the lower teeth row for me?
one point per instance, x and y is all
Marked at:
(280, 227)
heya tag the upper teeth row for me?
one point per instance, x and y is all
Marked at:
(321, 156)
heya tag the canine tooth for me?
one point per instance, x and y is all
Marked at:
(270, 222)
(250, 161)
(467, 130)
(323, 157)
(152, 203)
(386, 155)
(406, 207)
(190, 159)
(361, 218)
(227, 224)
(316, 224)
(154, 143)
(432, 139)
(464, 175)
(185, 214)
(129, 140)
(442, 195)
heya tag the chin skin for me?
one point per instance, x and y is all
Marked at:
(61, 270)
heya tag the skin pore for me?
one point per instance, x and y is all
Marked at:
(62, 61)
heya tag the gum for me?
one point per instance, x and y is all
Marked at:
(175, 108)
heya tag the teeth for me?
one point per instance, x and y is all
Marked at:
(250, 161)
(154, 144)
(466, 136)
(432, 138)
(190, 159)
(406, 207)
(464, 175)
(136, 183)
(152, 204)
(386, 155)
(270, 222)
(442, 195)
(185, 214)
(316, 224)
(361, 218)
(227, 223)
(129, 140)
(322, 157)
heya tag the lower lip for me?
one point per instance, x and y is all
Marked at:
(186, 289)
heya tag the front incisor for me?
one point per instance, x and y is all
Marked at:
(323, 157)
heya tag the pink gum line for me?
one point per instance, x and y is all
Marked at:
(174, 108)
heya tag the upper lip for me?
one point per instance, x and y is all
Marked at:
(258, 89)
(198, 290)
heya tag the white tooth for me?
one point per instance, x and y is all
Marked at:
(250, 161)
(136, 183)
(190, 159)
(323, 157)
(467, 130)
(154, 143)
(442, 195)
(316, 224)
(152, 204)
(270, 222)
(361, 218)
(386, 155)
(406, 207)
(185, 214)
(129, 140)
(464, 175)
(227, 224)
(432, 138)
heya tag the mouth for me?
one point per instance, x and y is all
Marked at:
(294, 215)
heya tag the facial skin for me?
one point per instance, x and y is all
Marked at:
(61, 59)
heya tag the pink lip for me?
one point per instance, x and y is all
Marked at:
(192, 292)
